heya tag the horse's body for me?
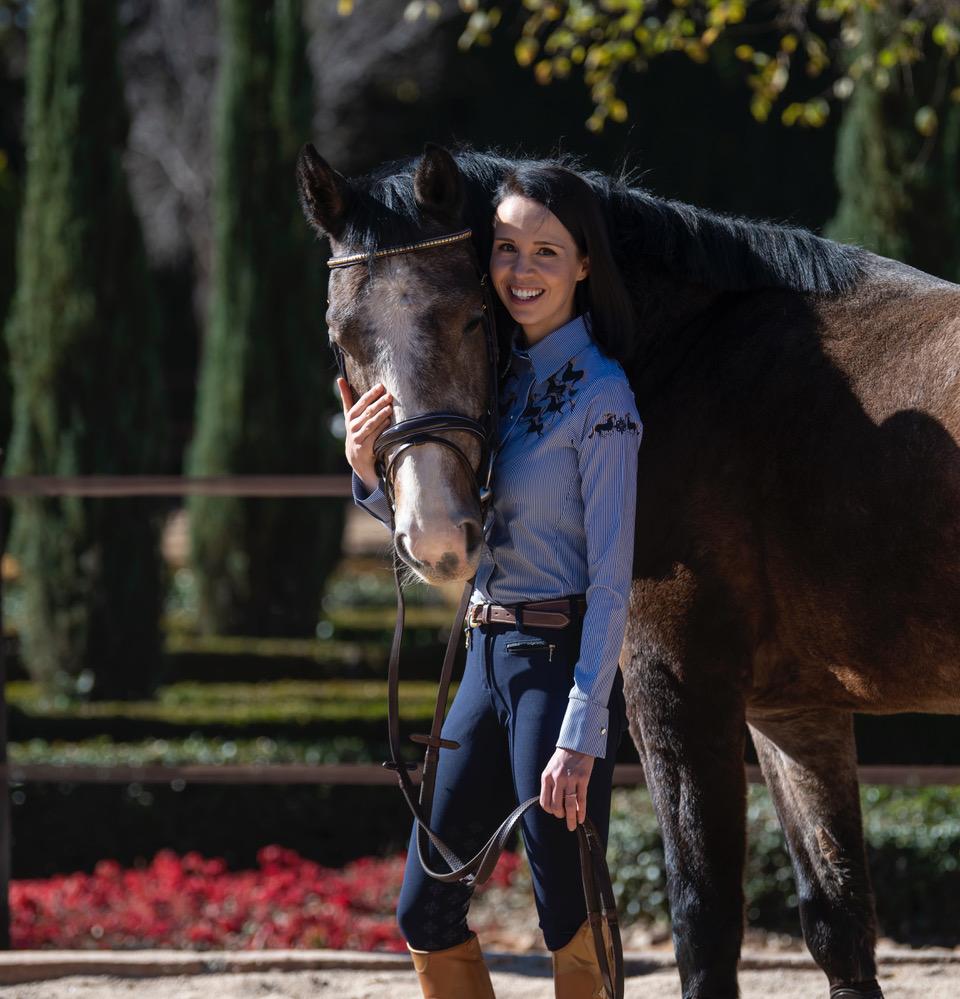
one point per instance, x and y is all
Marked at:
(798, 538)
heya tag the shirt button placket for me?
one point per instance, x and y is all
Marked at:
(516, 419)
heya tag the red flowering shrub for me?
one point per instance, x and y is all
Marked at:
(192, 903)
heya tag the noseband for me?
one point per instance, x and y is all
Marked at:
(427, 428)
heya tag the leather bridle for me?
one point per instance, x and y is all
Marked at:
(416, 431)
(426, 429)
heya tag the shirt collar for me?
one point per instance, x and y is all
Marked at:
(551, 353)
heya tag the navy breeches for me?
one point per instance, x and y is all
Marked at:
(506, 716)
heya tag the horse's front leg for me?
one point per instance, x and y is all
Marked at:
(685, 700)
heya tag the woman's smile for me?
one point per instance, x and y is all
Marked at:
(522, 296)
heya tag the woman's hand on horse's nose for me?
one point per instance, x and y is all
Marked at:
(364, 420)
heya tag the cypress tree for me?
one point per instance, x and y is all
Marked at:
(898, 188)
(84, 352)
(265, 382)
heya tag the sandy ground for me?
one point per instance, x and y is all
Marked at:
(901, 981)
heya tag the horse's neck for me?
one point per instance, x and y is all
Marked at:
(685, 265)
(671, 314)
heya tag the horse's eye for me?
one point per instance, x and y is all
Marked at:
(473, 323)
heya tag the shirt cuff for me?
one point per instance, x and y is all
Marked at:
(374, 502)
(584, 728)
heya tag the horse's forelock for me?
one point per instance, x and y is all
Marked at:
(374, 224)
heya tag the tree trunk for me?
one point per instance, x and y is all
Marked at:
(266, 377)
(84, 348)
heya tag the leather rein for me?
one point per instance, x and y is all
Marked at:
(414, 432)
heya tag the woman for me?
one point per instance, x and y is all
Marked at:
(540, 708)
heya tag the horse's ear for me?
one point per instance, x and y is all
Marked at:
(438, 186)
(324, 193)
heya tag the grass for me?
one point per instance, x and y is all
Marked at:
(193, 749)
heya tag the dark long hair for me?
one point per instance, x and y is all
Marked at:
(602, 293)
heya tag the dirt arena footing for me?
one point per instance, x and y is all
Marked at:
(42, 965)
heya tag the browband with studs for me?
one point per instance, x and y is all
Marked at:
(391, 251)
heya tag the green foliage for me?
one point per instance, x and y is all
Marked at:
(326, 652)
(265, 391)
(9, 210)
(913, 837)
(130, 822)
(103, 751)
(353, 603)
(84, 345)
(12, 16)
(896, 167)
(352, 588)
(775, 43)
(328, 717)
(292, 702)
(913, 846)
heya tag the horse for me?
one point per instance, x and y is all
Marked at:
(797, 554)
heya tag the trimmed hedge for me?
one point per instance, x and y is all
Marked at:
(315, 721)
(913, 842)
(104, 752)
(913, 846)
(62, 827)
(318, 714)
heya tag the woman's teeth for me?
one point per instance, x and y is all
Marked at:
(525, 294)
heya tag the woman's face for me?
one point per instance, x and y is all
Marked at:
(535, 265)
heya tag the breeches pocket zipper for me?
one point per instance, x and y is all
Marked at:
(529, 646)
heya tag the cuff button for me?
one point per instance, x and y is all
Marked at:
(603, 729)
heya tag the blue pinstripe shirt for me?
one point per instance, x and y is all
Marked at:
(564, 496)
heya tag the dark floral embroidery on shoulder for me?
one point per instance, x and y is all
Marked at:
(614, 424)
(560, 392)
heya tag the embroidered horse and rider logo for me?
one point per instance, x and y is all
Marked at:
(614, 424)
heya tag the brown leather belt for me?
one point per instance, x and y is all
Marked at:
(556, 613)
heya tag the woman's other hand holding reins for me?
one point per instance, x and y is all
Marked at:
(364, 420)
(563, 786)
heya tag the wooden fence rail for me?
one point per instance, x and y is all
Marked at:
(176, 485)
(624, 774)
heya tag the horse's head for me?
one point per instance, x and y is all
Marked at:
(413, 321)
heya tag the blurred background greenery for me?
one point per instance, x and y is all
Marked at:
(161, 300)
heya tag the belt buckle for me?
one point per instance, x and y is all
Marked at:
(473, 615)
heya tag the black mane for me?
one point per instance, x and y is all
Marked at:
(717, 251)
(725, 252)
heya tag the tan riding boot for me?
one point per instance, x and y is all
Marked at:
(455, 973)
(576, 971)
